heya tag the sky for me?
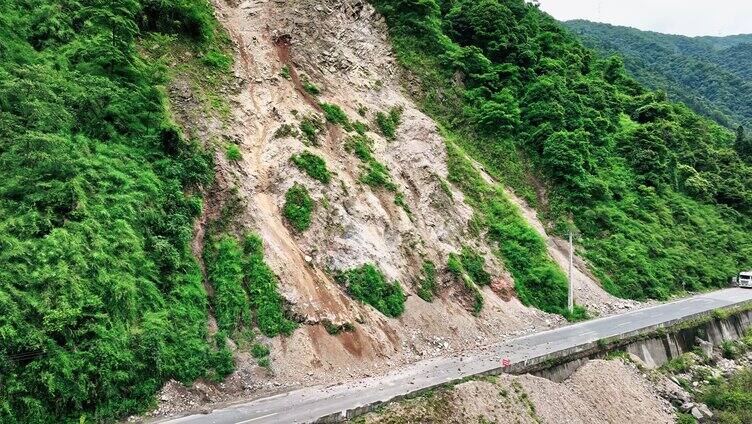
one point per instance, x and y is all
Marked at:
(685, 17)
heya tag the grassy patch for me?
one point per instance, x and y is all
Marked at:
(525, 400)
(369, 285)
(335, 329)
(217, 60)
(399, 200)
(309, 87)
(224, 266)
(310, 127)
(287, 130)
(474, 264)
(454, 265)
(731, 399)
(285, 72)
(388, 122)
(298, 207)
(336, 115)
(427, 288)
(259, 351)
(233, 153)
(360, 128)
(264, 296)
(376, 174)
(313, 165)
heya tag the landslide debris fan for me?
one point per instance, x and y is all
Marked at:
(658, 196)
(101, 298)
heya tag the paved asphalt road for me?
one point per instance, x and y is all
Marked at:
(309, 404)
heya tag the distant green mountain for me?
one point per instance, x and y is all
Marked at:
(728, 41)
(713, 75)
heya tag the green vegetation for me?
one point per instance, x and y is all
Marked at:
(427, 288)
(101, 299)
(454, 265)
(298, 207)
(233, 153)
(729, 350)
(680, 364)
(682, 418)
(265, 299)
(731, 399)
(335, 115)
(221, 360)
(523, 397)
(538, 280)
(285, 72)
(245, 288)
(218, 60)
(376, 174)
(711, 75)
(368, 285)
(388, 123)
(224, 269)
(335, 329)
(261, 353)
(287, 130)
(360, 128)
(310, 128)
(399, 200)
(313, 165)
(474, 265)
(657, 193)
(309, 87)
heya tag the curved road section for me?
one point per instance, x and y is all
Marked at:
(312, 403)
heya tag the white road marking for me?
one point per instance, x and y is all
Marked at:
(624, 323)
(257, 418)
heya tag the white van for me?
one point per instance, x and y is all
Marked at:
(745, 279)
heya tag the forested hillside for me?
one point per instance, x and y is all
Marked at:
(657, 194)
(712, 75)
(101, 299)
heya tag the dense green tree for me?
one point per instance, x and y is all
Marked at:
(710, 74)
(743, 144)
(101, 298)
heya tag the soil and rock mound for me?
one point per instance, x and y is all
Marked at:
(599, 392)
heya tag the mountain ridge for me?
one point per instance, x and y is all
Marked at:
(711, 74)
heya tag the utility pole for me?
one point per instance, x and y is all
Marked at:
(570, 299)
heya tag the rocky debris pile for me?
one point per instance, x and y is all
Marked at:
(598, 392)
(682, 399)
(680, 380)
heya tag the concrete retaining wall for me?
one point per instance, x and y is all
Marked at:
(654, 347)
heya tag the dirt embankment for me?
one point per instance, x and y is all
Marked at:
(599, 392)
